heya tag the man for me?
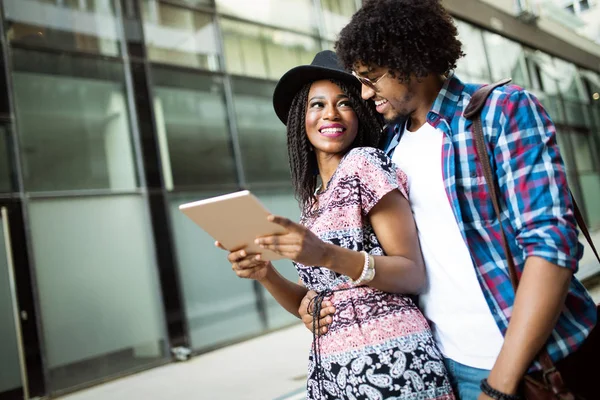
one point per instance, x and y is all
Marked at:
(403, 52)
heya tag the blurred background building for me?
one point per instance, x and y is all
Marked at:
(114, 112)
(582, 16)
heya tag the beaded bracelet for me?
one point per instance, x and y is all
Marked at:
(368, 272)
(496, 394)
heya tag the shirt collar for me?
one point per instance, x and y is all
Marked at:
(446, 103)
(443, 109)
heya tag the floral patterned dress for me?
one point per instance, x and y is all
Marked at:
(379, 345)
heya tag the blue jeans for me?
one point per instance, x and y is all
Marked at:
(465, 380)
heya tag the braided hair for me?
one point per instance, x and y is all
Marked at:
(303, 161)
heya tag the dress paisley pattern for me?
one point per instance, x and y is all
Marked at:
(379, 345)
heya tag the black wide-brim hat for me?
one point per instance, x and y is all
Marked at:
(324, 66)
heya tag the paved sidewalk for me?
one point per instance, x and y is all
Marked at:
(270, 367)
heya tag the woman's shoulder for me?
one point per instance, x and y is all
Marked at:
(361, 156)
(368, 153)
(372, 168)
(362, 159)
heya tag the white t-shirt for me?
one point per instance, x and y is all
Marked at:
(453, 301)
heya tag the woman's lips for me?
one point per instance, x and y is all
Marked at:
(332, 130)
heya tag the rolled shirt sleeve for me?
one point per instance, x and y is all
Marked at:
(532, 178)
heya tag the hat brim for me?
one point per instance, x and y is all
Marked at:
(293, 80)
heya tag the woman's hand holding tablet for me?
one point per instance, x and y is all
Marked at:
(235, 220)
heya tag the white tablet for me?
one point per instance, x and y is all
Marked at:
(235, 220)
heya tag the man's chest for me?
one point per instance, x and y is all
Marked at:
(443, 171)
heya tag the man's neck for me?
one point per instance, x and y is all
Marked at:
(426, 92)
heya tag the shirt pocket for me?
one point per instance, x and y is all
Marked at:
(473, 194)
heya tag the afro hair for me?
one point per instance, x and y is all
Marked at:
(409, 37)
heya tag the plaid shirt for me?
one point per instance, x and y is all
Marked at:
(537, 213)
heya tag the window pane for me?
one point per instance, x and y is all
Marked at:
(90, 25)
(195, 3)
(578, 113)
(564, 146)
(289, 14)
(590, 185)
(220, 307)
(5, 170)
(591, 82)
(191, 123)
(10, 376)
(542, 72)
(336, 14)
(244, 49)
(595, 112)
(73, 122)
(99, 295)
(258, 125)
(280, 202)
(263, 52)
(507, 59)
(473, 66)
(565, 143)
(569, 84)
(584, 5)
(176, 35)
(552, 105)
(593, 78)
(583, 153)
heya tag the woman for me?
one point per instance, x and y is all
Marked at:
(356, 245)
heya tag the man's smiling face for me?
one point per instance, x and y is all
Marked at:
(393, 99)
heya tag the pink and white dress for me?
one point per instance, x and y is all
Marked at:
(379, 345)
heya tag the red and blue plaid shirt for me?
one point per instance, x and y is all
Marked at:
(537, 211)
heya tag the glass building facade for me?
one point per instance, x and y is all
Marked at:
(114, 112)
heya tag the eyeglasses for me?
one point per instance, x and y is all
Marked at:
(371, 84)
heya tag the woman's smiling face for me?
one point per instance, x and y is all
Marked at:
(331, 123)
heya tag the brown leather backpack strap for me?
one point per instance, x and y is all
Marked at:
(479, 98)
(482, 155)
(552, 376)
(473, 112)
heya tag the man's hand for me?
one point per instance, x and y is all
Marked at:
(538, 303)
(325, 318)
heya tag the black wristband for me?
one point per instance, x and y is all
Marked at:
(496, 394)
